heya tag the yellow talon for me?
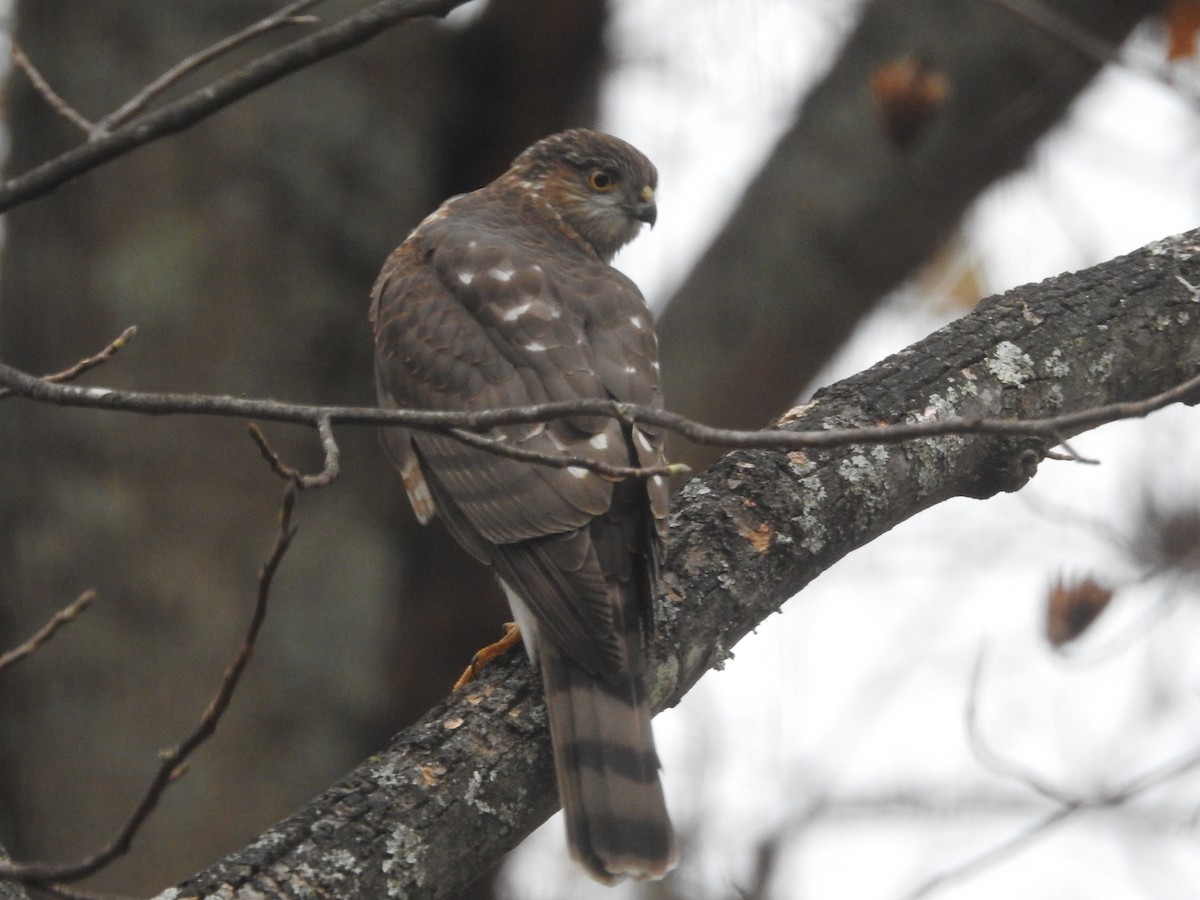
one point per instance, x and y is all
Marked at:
(512, 637)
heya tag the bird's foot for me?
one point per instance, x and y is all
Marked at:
(512, 637)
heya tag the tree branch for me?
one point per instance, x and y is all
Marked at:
(63, 617)
(324, 478)
(45, 91)
(467, 782)
(839, 214)
(90, 362)
(135, 104)
(463, 426)
(172, 762)
(1069, 809)
(201, 103)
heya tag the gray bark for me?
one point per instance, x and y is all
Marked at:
(10, 890)
(841, 213)
(453, 793)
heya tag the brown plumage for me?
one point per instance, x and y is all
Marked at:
(505, 297)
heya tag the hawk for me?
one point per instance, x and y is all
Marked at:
(505, 297)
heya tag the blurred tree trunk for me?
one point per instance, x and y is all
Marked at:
(244, 251)
(854, 198)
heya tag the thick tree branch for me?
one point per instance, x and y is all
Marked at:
(841, 214)
(201, 103)
(466, 783)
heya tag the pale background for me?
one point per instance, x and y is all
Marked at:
(841, 722)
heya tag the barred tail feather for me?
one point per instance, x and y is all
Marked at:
(617, 822)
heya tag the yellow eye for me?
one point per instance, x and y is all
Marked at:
(600, 180)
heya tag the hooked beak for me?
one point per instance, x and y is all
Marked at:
(646, 210)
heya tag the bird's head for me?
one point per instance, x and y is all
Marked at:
(602, 187)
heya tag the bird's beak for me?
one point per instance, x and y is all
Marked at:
(646, 210)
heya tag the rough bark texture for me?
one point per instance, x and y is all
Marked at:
(464, 785)
(841, 213)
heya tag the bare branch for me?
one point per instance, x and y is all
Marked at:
(1078, 37)
(47, 631)
(565, 462)
(285, 16)
(1051, 428)
(89, 362)
(993, 761)
(172, 762)
(1067, 806)
(1064, 28)
(1139, 784)
(988, 373)
(995, 855)
(198, 105)
(47, 93)
(92, 362)
(324, 478)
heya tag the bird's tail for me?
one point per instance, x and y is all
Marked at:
(617, 822)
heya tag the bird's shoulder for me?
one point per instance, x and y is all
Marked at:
(511, 263)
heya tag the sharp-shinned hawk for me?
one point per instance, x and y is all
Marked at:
(505, 297)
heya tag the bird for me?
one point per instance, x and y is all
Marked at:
(506, 296)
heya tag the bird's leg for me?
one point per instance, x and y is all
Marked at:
(512, 637)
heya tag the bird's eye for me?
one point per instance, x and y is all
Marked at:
(600, 180)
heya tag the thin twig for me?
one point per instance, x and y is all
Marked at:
(47, 93)
(47, 631)
(1069, 454)
(603, 469)
(172, 761)
(1052, 428)
(995, 854)
(89, 362)
(1068, 807)
(991, 760)
(323, 478)
(1064, 28)
(1154, 777)
(1076, 36)
(203, 102)
(136, 103)
(332, 457)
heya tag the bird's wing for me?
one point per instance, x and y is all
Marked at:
(468, 318)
